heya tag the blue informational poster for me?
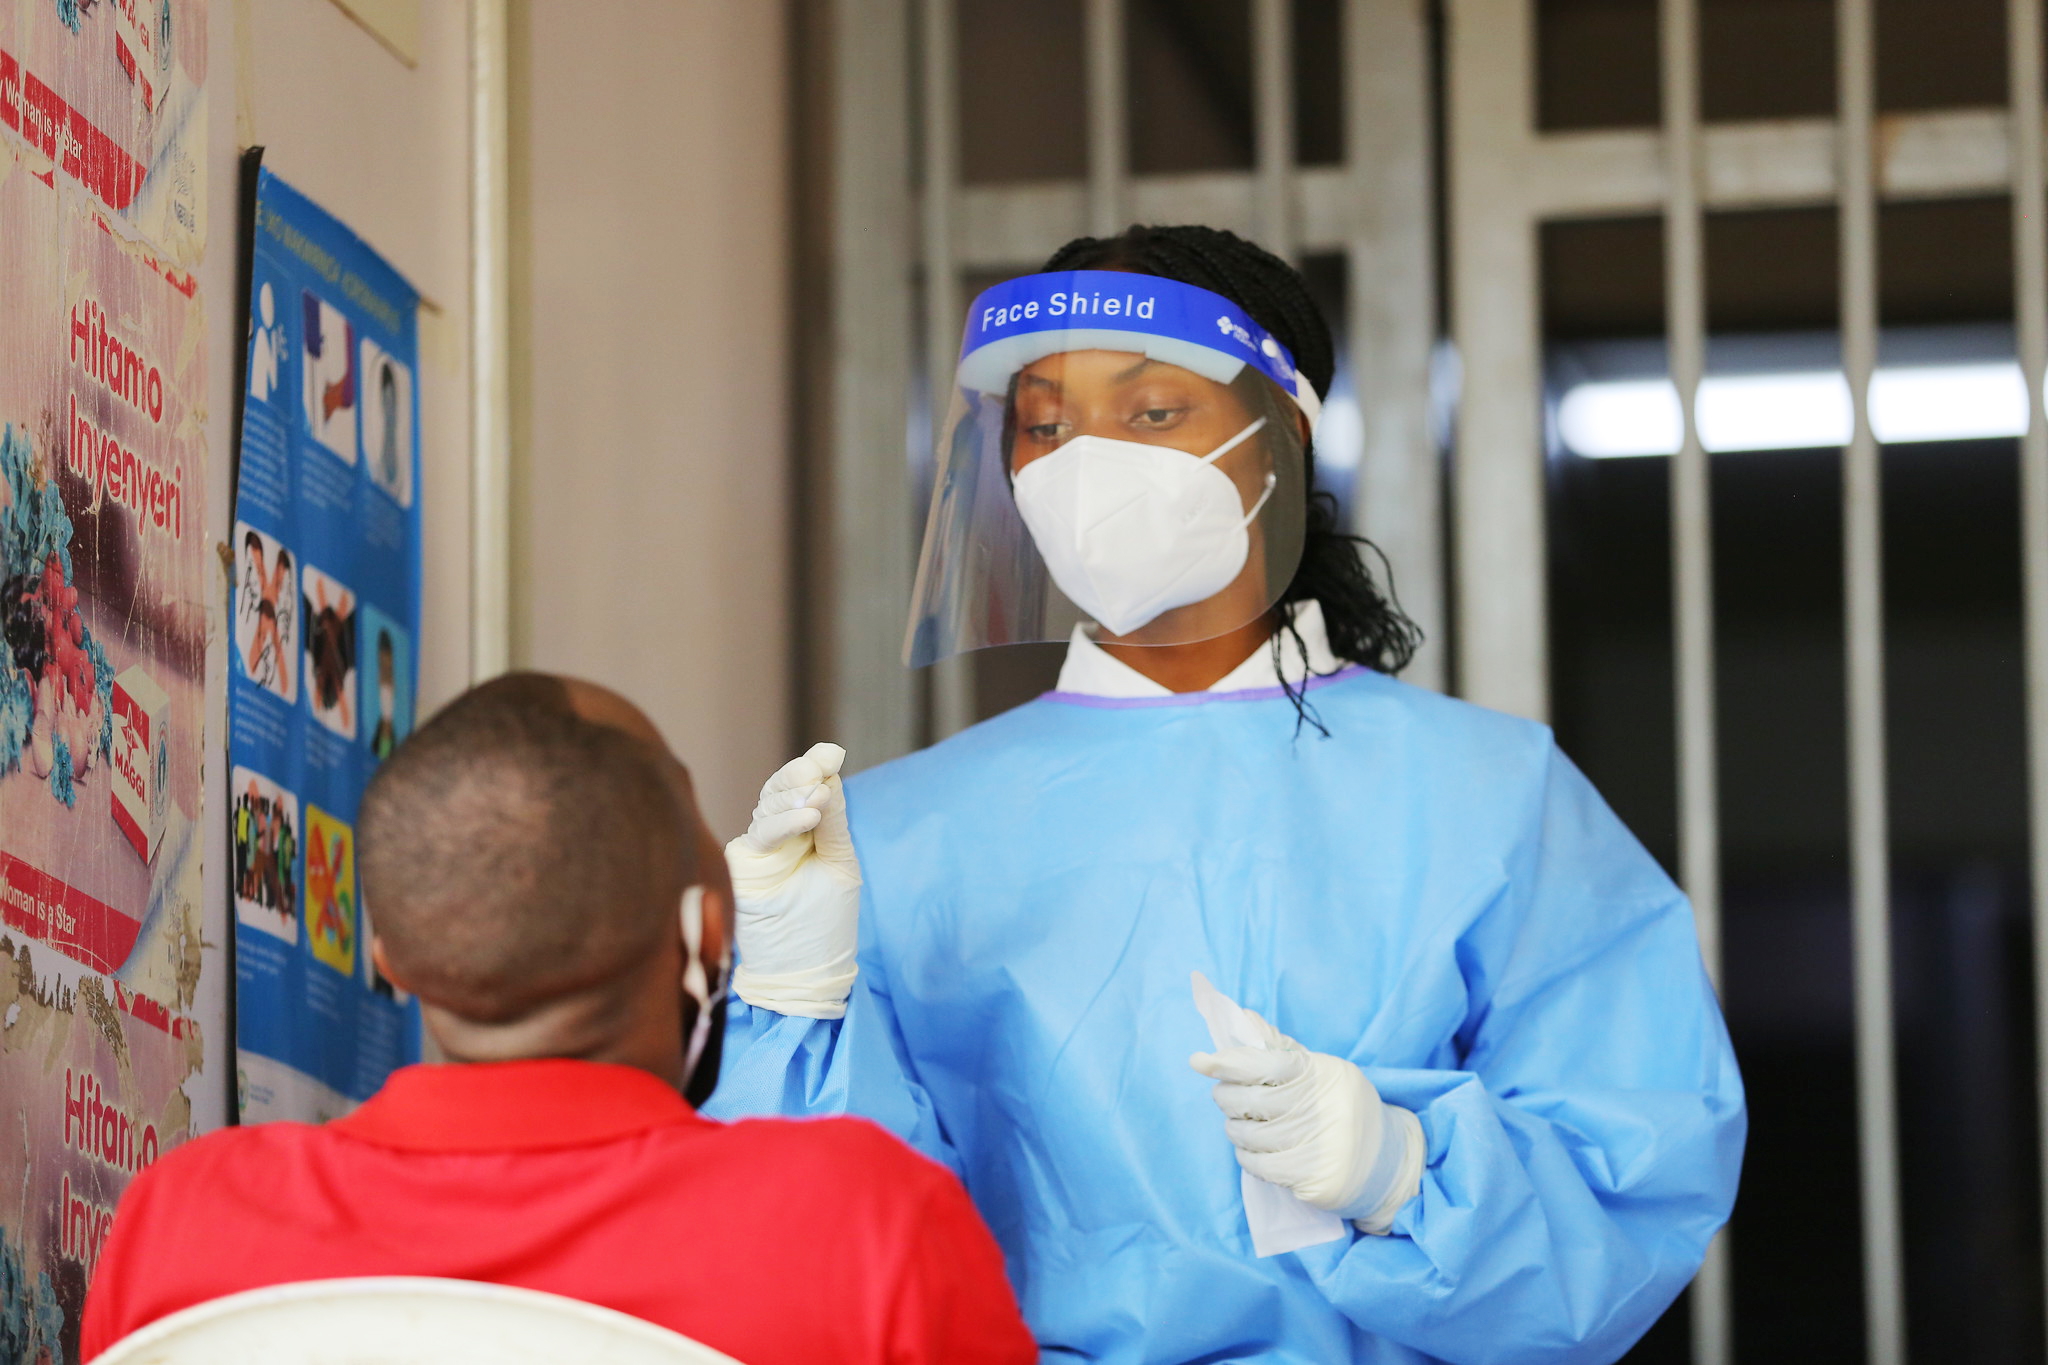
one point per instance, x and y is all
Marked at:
(326, 618)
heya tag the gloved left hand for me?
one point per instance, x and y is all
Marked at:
(1314, 1124)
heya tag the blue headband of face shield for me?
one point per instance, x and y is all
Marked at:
(1024, 320)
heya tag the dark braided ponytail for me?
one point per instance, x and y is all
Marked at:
(1366, 625)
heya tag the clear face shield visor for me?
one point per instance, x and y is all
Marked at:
(1123, 452)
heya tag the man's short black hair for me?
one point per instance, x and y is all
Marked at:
(517, 852)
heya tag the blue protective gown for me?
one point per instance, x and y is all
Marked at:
(1433, 891)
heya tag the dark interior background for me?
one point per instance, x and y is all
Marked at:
(1955, 720)
(1952, 584)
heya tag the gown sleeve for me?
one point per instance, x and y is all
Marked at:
(801, 1068)
(1584, 1154)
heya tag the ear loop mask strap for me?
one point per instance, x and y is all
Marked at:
(709, 998)
(1272, 479)
(1234, 442)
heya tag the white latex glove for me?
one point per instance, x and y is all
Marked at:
(796, 883)
(1314, 1124)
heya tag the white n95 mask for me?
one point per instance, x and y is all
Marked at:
(1130, 531)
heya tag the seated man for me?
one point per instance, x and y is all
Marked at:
(543, 883)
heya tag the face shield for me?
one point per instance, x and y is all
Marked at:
(1122, 450)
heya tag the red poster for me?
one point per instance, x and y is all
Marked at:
(102, 627)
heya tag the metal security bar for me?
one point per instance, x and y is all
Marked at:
(1778, 163)
(1392, 314)
(1273, 122)
(1503, 640)
(854, 257)
(2030, 308)
(1692, 555)
(1877, 1105)
(952, 680)
(1108, 138)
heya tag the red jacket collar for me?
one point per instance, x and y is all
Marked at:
(511, 1106)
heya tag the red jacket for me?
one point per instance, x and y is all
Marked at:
(773, 1240)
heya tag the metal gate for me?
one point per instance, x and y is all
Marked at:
(894, 232)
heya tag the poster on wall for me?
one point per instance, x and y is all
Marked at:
(103, 575)
(326, 617)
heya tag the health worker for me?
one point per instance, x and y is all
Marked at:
(1460, 1089)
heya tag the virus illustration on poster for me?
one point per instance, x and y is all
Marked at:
(31, 1318)
(55, 683)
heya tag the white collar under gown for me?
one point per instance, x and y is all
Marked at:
(1429, 889)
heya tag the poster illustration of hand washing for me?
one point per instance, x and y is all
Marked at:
(326, 538)
(104, 582)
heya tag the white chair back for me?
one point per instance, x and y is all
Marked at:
(404, 1320)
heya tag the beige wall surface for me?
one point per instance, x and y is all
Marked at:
(651, 224)
(385, 147)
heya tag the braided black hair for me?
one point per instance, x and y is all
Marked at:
(1366, 625)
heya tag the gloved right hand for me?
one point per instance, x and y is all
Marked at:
(1315, 1124)
(796, 884)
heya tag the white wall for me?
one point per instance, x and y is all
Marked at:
(385, 147)
(651, 364)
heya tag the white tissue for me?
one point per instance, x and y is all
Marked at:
(1280, 1220)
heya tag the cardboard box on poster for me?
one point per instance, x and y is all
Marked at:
(141, 752)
